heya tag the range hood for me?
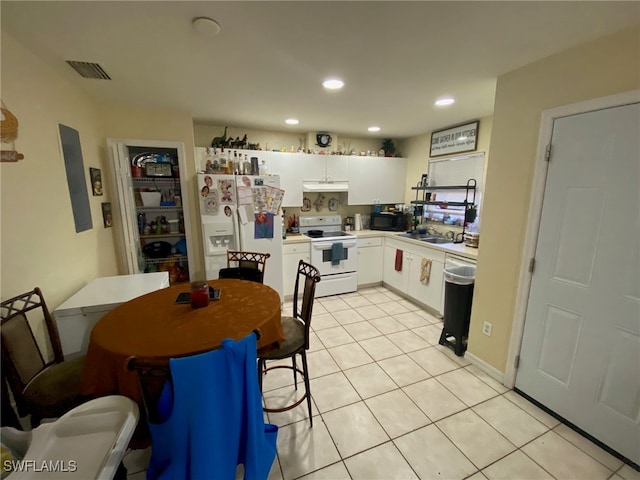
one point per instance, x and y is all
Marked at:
(309, 186)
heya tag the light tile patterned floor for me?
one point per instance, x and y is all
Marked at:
(389, 402)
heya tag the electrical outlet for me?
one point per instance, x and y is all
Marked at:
(487, 328)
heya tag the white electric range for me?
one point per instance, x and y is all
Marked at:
(333, 252)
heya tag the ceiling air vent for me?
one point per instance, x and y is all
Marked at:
(89, 70)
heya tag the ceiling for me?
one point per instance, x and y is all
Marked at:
(269, 59)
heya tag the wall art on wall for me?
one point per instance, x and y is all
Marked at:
(96, 181)
(456, 139)
(106, 214)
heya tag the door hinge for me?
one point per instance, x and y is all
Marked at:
(532, 265)
(517, 362)
(547, 153)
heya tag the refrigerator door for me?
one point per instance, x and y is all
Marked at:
(228, 219)
(250, 242)
(219, 220)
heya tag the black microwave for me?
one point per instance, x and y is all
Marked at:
(390, 221)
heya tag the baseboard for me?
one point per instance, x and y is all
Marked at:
(490, 370)
(424, 306)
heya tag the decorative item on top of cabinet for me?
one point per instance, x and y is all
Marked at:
(389, 147)
(220, 141)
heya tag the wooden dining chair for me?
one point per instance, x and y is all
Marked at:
(205, 414)
(245, 265)
(153, 374)
(42, 387)
(296, 330)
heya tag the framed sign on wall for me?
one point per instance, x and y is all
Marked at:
(456, 139)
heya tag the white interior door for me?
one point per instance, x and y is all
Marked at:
(580, 353)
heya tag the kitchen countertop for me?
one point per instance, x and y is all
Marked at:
(455, 248)
(295, 238)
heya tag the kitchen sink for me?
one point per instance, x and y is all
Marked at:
(436, 240)
(415, 236)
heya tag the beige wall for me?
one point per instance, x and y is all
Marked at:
(600, 68)
(39, 244)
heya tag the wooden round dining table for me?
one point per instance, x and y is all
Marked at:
(153, 326)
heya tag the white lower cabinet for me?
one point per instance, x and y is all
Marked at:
(291, 256)
(398, 279)
(369, 260)
(408, 279)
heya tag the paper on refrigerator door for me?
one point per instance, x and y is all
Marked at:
(227, 191)
(208, 201)
(273, 199)
(245, 212)
(244, 195)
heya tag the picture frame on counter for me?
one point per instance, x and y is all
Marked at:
(456, 139)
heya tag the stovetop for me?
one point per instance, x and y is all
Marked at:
(326, 235)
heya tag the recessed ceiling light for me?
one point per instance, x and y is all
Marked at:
(333, 84)
(374, 129)
(441, 102)
(206, 26)
(291, 121)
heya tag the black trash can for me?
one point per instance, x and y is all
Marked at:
(458, 295)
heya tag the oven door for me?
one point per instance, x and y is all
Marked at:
(322, 256)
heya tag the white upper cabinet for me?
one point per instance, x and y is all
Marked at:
(392, 178)
(376, 180)
(325, 168)
(289, 167)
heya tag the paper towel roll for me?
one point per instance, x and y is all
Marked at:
(358, 221)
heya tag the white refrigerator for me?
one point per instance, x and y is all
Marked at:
(241, 212)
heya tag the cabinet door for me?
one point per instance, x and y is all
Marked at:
(314, 167)
(292, 254)
(398, 280)
(391, 174)
(363, 180)
(289, 167)
(337, 167)
(369, 264)
(430, 293)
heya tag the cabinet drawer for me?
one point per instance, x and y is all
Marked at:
(296, 248)
(370, 242)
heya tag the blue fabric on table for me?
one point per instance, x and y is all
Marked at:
(212, 418)
(337, 253)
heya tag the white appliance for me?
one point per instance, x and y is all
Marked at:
(77, 315)
(337, 276)
(229, 222)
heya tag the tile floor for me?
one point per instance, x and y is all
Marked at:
(389, 402)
